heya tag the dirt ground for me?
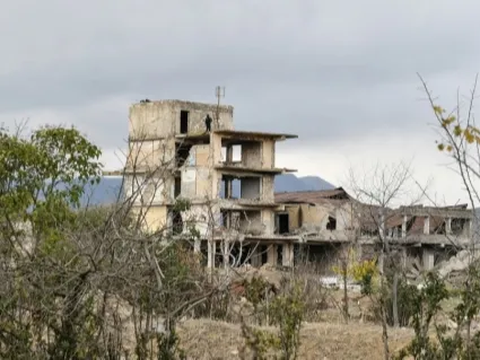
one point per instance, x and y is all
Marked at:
(205, 339)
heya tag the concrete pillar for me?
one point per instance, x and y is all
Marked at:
(211, 250)
(426, 225)
(226, 255)
(229, 154)
(287, 254)
(256, 259)
(448, 226)
(272, 255)
(404, 256)
(428, 258)
(227, 220)
(404, 226)
(196, 246)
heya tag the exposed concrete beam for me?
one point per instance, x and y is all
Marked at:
(451, 213)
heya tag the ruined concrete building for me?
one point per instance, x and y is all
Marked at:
(184, 150)
(226, 175)
(327, 220)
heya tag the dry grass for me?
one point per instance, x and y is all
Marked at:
(205, 339)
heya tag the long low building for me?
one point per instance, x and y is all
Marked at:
(326, 220)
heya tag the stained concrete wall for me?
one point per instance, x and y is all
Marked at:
(155, 190)
(151, 154)
(199, 216)
(268, 220)
(162, 118)
(252, 154)
(154, 218)
(268, 154)
(251, 188)
(310, 217)
(216, 149)
(251, 223)
(196, 174)
(268, 189)
(306, 216)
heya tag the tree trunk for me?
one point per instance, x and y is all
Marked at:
(396, 322)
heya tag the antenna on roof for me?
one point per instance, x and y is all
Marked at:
(219, 93)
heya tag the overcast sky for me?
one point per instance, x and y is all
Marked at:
(340, 74)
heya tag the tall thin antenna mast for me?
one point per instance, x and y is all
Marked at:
(219, 93)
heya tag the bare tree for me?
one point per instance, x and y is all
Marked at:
(377, 192)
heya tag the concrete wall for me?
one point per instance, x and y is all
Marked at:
(151, 154)
(251, 223)
(268, 220)
(196, 174)
(162, 118)
(198, 215)
(268, 190)
(151, 120)
(252, 154)
(251, 188)
(153, 191)
(216, 149)
(314, 218)
(268, 154)
(154, 218)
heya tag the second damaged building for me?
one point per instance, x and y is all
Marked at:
(325, 221)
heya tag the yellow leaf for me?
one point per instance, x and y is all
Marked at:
(468, 136)
(438, 110)
(457, 130)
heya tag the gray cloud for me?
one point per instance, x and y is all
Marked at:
(324, 70)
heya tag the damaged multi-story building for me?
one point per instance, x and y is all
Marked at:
(181, 150)
(185, 150)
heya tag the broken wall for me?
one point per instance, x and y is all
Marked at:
(147, 191)
(252, 154)
(154, 218)
(313, 219)
(196, 174)
(151, 154)
(251, 188)
(251, 223)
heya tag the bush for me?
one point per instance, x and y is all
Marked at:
(406, 294)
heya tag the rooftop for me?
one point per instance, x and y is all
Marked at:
(312, 197)
(184, 104)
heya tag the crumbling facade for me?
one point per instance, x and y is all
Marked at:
(326, 220)
(182, 150)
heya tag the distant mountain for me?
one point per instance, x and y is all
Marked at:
(290, 182)
(107, 191)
